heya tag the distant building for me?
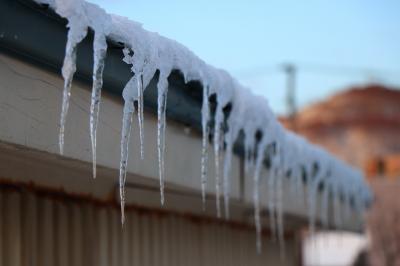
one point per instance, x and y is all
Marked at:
(361, 125)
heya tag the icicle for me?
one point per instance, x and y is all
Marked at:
(294, 180)
(325, 207)
(312, 200)
(76, 33)
(256, 196)
(217, 145)
(227, 167)
(347, 207)
(279, 201)
(247, 158)
(142, 77)
(129, 109)
(336, 204)
(310, 203)
(205, 111)
(99, 55)
(140, 113)
(299, 185)
(162, 105)
(271, 202)
(280, 220)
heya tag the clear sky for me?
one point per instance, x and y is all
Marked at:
(334, 43)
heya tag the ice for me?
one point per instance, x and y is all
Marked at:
(314, 181)
(77, 31)
(99, 52)
(230, 137)
(205, 110)
(141, 78)
(346, 204)
(256, 194)
(227, 166)
(336, 205)
(324, 213)
(217, 144)
(248, 154)
(271, 202)
(235, 124)
(129, 109)
(162, 105)
(280, 218)
(140, 115)
(278, 187)
(149, 55)
(126, 131)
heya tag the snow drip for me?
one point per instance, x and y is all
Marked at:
(270, 152)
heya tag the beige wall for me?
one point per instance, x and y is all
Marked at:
(30, 102)
(42, 230)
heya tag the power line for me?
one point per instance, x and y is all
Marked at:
(321, 69)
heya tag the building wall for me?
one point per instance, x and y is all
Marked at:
(42, 229)
(55, 229)
(30, 103)
(30, 106)
(358, 125)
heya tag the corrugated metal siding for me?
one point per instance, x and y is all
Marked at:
(42, 231)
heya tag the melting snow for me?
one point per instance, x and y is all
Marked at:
(148, 52)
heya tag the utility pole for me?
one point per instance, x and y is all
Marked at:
(290, 71)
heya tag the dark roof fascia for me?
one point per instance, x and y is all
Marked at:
(37, 34)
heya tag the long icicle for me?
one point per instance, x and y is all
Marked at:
(279, 207)
(75, 35)
(99, 55)
(312, 201)
(247, 159)
(336, 203)
(271, 183)
(271, 201)
(162, 105)
(324, 212)
(140, 113)
(129, 109)
(256, 197)
(227, 167)
(217, 145)
(280, 218)
(205, 110)
(312, 193)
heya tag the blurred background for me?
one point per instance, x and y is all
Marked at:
(330, 70)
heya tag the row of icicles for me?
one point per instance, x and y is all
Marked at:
(133, 91)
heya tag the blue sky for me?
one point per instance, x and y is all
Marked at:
(335, 44)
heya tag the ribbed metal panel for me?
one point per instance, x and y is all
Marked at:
(42, 231)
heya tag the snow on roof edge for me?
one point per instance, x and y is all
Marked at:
(148, 52)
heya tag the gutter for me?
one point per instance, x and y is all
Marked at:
(37, 34)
